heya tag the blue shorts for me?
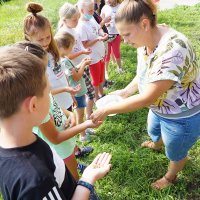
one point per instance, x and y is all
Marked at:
(81, 101)
(178, 135)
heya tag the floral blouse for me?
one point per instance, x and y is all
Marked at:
(173, 59)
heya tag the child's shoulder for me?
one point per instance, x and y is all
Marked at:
(66, 63)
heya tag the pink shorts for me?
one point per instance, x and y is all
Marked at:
(115, 47)
(97, 72)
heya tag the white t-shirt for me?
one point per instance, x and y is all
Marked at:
(89, 30)
(110, 11)
(58, 79)
(78, 44)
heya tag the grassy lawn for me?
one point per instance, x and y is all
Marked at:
(133, 168)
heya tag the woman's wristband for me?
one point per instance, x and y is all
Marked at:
(86, 185)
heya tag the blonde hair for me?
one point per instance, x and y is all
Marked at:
(67, 11)
(33, 22)
(82, 3)
(22, 75)
(64, 40)
(131, 11)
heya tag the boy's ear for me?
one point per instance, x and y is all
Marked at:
(146, 24)
(30, 104)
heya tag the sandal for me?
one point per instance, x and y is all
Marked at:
(150, 145)
(83, 151)
(164, 182)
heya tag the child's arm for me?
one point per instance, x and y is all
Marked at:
(77, 54)
(89, 43)
(49, 130)
(71, 118)
(70, 90)
(78, 73)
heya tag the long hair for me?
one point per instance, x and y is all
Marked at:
(35, 22)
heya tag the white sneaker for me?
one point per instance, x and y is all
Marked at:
(90, 131)
(85, 138)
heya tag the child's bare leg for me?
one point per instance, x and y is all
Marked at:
(113, 57)
(96, 90)
(89, 108)
(106, 70)
(80, 116)
(72, 166)
(170, 176)
(101, 90)
(119, 63)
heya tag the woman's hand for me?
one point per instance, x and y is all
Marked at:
(98, 115)
(97, 169)
(91, 124)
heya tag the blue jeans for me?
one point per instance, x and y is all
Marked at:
(178, 135)
(81, 101)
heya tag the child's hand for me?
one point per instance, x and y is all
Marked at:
(90, 124)
(75, 90)
(86, 61)
(107, 24)
(97, 169)
(72, 119)
(106, 20)
(87, 51)
(102, 38)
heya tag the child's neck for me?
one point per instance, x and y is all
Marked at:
(15, 132)
(67, 26)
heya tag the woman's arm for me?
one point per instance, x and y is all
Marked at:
(129, 90)
(152, 92)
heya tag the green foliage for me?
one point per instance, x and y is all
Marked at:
(133, 168)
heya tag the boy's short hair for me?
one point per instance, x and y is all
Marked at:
(64, 39)
(22, 75)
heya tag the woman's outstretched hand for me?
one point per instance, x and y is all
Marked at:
(98, 115)
(98, 168)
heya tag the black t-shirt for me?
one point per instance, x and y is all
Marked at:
(34, 172)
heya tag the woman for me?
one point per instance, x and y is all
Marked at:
(168, 80)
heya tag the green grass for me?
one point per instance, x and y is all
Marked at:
(133, 168)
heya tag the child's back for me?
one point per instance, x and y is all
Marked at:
(34, 172)
(29, 168)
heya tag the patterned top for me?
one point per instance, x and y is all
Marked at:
(173, 59)
(66, 148)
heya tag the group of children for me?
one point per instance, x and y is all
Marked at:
(70, 67)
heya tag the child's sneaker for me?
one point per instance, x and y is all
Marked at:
(81, 167)
(90, 131)
(83, 151)
(85, 138)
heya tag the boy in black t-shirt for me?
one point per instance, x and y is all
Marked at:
(30, 169)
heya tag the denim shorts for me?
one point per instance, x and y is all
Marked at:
(178, 135)
(81, 101)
